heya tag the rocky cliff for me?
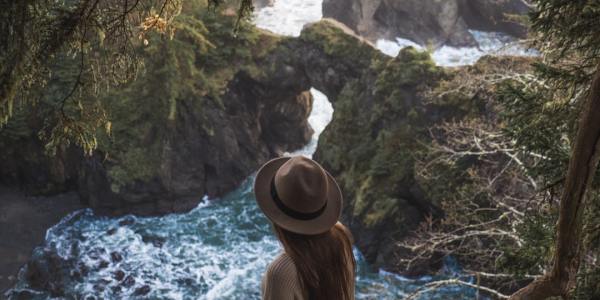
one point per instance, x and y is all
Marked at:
(383, 111)
(379, 115)
(196, 122)
(379, 133)
(429, 22)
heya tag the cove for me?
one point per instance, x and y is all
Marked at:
(219, 250)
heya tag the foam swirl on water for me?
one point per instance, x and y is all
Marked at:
(490, 43)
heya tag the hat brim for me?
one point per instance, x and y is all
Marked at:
(262, 191)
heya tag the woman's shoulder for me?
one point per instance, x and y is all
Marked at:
(282, 267)
(281, 280)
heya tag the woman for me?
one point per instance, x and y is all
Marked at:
(304, 202)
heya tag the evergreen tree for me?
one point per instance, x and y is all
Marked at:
(98, 37)
(557, 111)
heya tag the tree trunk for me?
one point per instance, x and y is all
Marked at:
(561, 279)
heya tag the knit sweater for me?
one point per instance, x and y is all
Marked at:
(282, 281)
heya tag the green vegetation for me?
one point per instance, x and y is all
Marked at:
(336, 41)
(544, 118)
(375, 149)
(99, 40)
(130, 123)
(194, 66)
(504, 163)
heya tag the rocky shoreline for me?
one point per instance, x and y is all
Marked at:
(23, 223)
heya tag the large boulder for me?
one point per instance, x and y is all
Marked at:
(206, 150)
(502, 16)
(369, 147)
(429, 22)
(263, 3)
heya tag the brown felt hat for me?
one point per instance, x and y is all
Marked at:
(297, 194)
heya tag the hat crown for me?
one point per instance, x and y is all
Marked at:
(302, 185)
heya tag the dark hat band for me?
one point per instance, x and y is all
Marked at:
(292, 212)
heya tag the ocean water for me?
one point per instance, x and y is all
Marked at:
(287, 17)
(489, 43)
(219, 250)
(320, 116)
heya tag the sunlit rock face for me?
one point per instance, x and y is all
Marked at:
(429, 22)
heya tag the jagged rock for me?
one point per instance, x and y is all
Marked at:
(141, 291)
(46, 271)
(381, 121)
(429, 22)
(263, 3)
(156, 241)
(116, 257)
(23, 224)
(486, 15)
(368, 146)
(118, 275)
(129, 281)
(102, 265)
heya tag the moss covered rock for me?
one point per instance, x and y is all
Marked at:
(369, 148)
(201, 116)
(381, 122)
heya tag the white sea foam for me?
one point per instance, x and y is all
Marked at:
(320, 116)
(287, 17)
(489, 43)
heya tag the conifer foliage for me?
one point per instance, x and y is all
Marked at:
(99, 38)
(566, 100)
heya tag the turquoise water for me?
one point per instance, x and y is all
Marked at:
(219, 250)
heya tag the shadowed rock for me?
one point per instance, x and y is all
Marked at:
(429, 22)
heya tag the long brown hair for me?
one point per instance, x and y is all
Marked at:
(324, 262)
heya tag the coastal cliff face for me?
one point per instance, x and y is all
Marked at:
(177, 132)
(429, 22)
(384, 109)
(379, 133)
(379, 115)
(369, 147)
